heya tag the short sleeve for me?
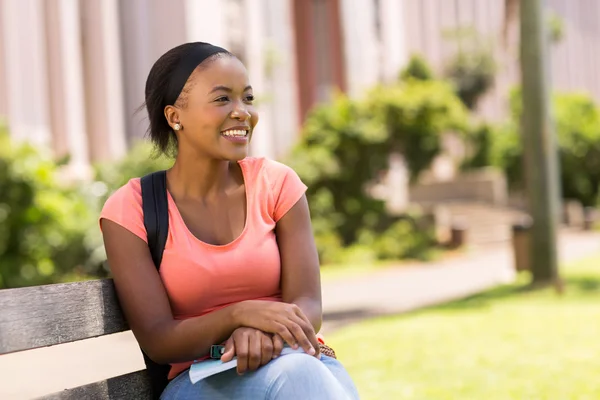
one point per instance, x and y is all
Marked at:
(286, 187)
(124, 207)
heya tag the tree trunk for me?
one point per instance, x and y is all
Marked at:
(539, 143)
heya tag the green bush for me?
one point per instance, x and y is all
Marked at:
(577, 123)
(345, 146)
(340, 150)
(418, 69)
(142, 159)
(498, 146)
(44, 225)
(578, 128)
(415, 114)
(411, 236)
(472, 68)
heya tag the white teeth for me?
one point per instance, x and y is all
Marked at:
(235, 132)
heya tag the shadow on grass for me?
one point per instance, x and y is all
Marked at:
(585, 284)
(356, 314)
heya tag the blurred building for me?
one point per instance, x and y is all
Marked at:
(72, 72)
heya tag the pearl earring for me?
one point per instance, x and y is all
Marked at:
(177, 126)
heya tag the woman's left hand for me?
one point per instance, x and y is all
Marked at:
(252, 347)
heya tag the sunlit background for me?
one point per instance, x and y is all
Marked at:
(404, 118)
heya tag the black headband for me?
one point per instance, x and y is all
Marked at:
(199, 52)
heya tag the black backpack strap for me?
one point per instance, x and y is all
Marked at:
(156, 220)
(156, 213)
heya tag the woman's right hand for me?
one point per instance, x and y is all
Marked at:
(252, 347)
(284, 319)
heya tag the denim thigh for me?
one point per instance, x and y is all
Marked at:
(290, 377)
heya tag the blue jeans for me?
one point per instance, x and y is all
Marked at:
(289, 377)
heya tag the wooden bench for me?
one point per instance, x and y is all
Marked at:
(41, 316)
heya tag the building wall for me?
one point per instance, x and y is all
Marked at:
(103, 79)
(24, 64)
(574, 61)
(142, 43)
(66, 97)
(72, 72)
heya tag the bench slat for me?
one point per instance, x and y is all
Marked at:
(48, 315)
(133, 386)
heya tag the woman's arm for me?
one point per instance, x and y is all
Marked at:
(166, 340)
(146, 306)
(301, 279)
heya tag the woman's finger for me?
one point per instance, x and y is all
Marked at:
(310, 335)
(241, 350)
(254, 350)
(308, 329)
(297, 329)
(229, 351)
(277, 345)
(266, 347)
(286, 335)
(298, 312)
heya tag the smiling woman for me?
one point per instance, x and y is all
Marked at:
(240, 266)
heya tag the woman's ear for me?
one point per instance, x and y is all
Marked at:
(172, 116)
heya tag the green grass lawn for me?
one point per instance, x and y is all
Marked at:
(507, 343)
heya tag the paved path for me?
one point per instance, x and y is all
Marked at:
(406, 288)
(34, 373)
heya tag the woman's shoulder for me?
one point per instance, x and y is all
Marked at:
(124, 206)
(279, 182)
(128, 194)
(263, 166)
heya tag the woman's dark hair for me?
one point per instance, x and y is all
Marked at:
(157, 91)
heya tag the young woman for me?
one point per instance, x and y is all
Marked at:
(240, 265)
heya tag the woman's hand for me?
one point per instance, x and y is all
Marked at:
(283, 319)
(252, 347)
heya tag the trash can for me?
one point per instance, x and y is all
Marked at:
(521, 233)
(589, 218)
(458, 232)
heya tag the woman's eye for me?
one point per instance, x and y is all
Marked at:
(250, 98)
(222, 99)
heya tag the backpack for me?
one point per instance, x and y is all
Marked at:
(156, 221)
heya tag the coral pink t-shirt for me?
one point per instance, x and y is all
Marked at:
(201, 278)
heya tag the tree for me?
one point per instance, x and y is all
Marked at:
(538, 137)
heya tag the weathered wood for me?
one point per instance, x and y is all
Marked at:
(133, 386)
(48, 315)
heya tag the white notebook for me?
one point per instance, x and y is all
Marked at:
(206, 368)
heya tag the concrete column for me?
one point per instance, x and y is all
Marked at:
(280, 75)
(24, 58)
(142, 44)
(65, 70)
(255, 46)
(394, 52)
(103, 79)
(136, 42)
(204, 21)
(361, 46)
(397, 184)
(3, 88)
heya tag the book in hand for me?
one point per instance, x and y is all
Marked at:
(206, 368)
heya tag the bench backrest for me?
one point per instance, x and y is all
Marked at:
(48, 315)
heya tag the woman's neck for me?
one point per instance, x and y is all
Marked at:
(200, 178)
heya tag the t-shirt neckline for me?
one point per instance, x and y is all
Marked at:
(173, 206)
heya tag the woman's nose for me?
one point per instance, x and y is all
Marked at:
(240, 113)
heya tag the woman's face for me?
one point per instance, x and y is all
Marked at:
(218, 117)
